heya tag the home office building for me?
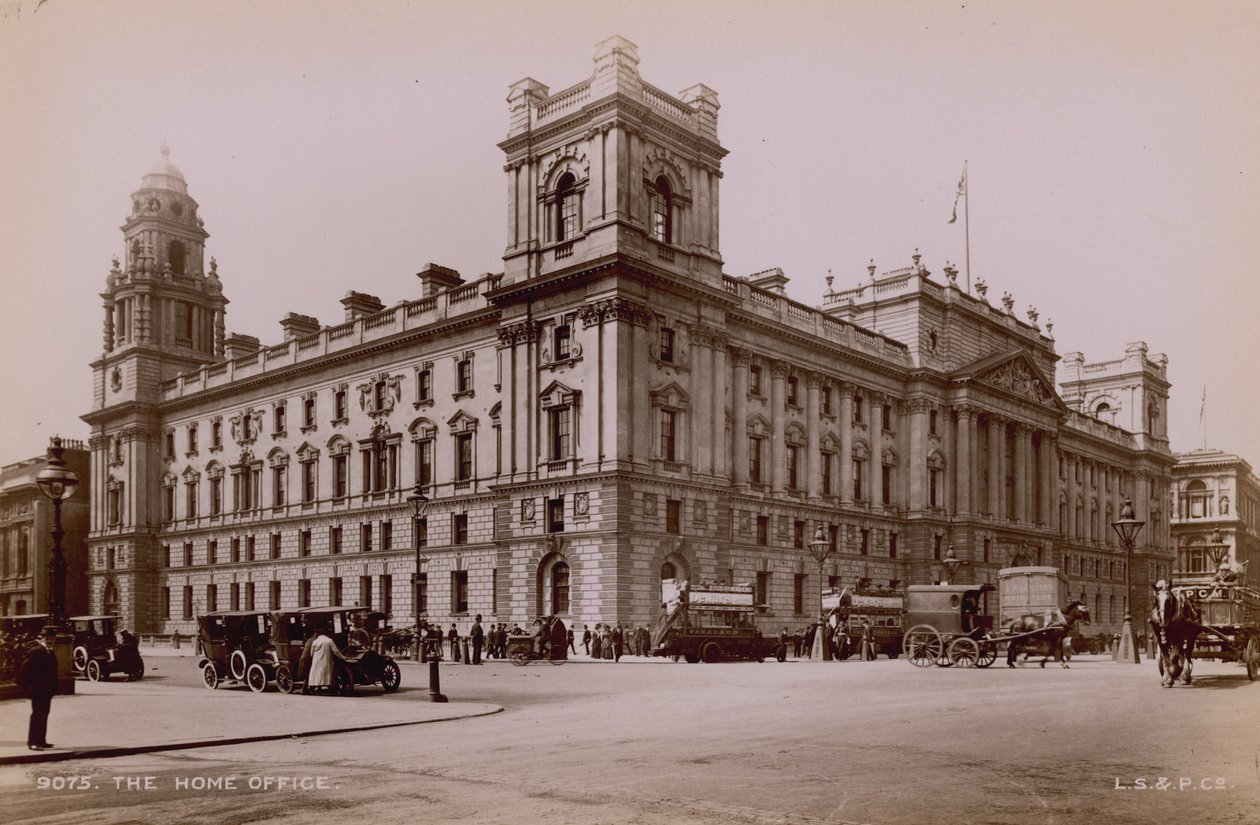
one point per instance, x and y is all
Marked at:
(611, 409)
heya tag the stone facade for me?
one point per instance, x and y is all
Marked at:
(610, 410)
(1216, 508)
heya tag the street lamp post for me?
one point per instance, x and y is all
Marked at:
(820, 549)
(1218, 550)
(59, 484)
(951, 563)
(1127, 528)
(419, 502)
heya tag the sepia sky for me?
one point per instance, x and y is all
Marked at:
(332, 146)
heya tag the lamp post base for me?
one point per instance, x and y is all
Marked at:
(1127, 651)
(819, 651)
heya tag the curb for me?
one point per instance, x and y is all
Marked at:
(109, 753)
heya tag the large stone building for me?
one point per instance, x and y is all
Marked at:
(610, 410)
(1216, 512)
(26, 524)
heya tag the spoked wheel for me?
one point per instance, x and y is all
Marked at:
(344, 682)
(284, 679)
(519, 658)
(237, 665)
(964, 652)
(256, 677)
(94, 671)
(209, 676)
(1253, 658)
(922, 645)
(780, 653)
(80, 658)
(988, 653)
(711, 652)
(391, 676)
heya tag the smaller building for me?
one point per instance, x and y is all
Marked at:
(1216, 513)
(26, 523)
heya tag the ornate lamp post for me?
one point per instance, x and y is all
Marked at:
(58, 484)
(820, 549)
(951, 563)
(419, 503)
(1218, 550)
(1127, 528)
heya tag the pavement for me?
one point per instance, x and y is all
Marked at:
(100, 719)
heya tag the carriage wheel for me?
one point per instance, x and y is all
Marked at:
(256, 677)
(780, 653)
(988, 653)
(209, 676)
(1253, 657)
(343, 681)
(711, 652)
(284, 679)
(237, 665)
(922, 645)
(94, 671)
(80, 658)
(391, 676)
(519, 658)
(964, 652)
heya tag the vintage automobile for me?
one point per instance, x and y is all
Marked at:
(353, 629)
(98, 651)
(236, 647)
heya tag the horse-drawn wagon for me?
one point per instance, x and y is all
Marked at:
(1219, 620)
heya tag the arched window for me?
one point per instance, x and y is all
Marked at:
(109, 602)
(668, 571)
(566, 207)
(177, 255)
(559, 588)
(662, 226)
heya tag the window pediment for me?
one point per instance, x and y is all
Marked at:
(558, 395)
(422, 429)
(670, 396)
(462, 422)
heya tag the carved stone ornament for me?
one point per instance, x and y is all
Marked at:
(614, 309)
(115, 380)
(1018, 378)
(745, 522)
(649, 504)
(700, 511)
(527, 509)
(582, 503)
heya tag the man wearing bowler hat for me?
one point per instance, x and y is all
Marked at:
(38, 678)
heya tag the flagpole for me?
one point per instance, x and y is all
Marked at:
(967, 222)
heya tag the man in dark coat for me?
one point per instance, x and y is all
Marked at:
(586, 639)
(453, 636)
(618, 640)
(38, 679)
(478, 639)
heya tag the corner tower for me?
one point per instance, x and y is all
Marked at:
(610, 166)
(163, 316)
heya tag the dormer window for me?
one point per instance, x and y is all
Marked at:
(566, 207)
(662, 227)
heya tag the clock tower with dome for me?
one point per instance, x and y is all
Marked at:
(163, 316)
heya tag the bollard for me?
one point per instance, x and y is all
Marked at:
(435, 676)
(464, 647)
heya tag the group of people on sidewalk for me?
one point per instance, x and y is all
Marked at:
(842, 644)
(608, 641)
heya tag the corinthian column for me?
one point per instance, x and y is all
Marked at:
(778, 443)
(846, 443)
(739, 412)
(813, 475)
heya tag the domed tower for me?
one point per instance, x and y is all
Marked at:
(164, 316)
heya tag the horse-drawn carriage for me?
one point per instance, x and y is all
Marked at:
(548, 641)
(1216, 620)
(236, 646)
(353, 629)
(99, 650)
(950, 624)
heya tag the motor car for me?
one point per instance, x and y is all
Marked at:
(236, 647)
(100, 650)
(355, 631)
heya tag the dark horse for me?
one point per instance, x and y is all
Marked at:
(1175, 624)
(1046, 628)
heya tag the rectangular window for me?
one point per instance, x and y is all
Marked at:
(886, 484)
(308, 482)
(459, 591)
(934, 487)
(279, 418)
(763, 587)
(212, 551)
(188, 554)
(308, 411)
(798, 534)
(365, 538)
(192, 438)
(793, 390)
(235, 597)
(170, 444)
(559, 433)
(249, 549)
(188, 601)
(463, 375)
(798, 594)
(459, 528)
(673, 516)
(387, 594)
(168, 504)
(387, 535)
(824, 462)
(236, 550)
(166, 555)
(304, 543)
(833, 537)
(892, 545)
(279, 486)
(667, 344)
(669, 442)
(422, 593)
(421, 527)
(793, 467)
(754, 459)
(249, 596)
(334, 540)
(341, 473)
(334, 591)
(857, 480)
(857, 409)
(275, 545)
(555, 515)
(824, 400)
(936, 547)
(212, 598)
(216, 433)
(763, 530)
(463, 457)
(754, 379)
(304, 593)
(932, 422)
(190, 499)
(986, 550)
(339, 405)
(560, 342)
(424, 462)
(216, 496)
(865, 548)
(424, 385)
(365, 591)
(886, 416)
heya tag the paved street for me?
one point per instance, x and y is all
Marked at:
(657, 742)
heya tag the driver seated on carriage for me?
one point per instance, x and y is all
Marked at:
(970, 608)
(1225, 573)
(541, 636)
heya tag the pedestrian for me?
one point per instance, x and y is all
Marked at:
(586, 639)
(597, 643)
(569, 637)
(478, 639)
(38, 680)
(324, 653)
(452, 636)
(614, 642)
(868, 642)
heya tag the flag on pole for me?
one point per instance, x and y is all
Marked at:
(962, 190)
(1203, 407)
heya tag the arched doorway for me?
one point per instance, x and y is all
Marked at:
(109, 599)
(553, 592)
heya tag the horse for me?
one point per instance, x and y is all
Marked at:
(1175, 625)
(1052, 629)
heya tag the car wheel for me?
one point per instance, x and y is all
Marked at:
(284, 679)
(237, 665)
(780, 653)
(391, 676)
(711, 652)
(256, 678)
(343, 682)
(94, 671)
(209, 676)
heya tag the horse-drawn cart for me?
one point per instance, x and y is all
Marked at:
(1229, 623)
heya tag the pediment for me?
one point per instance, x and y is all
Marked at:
(670, 395)
(557, 394)
(1013, 373)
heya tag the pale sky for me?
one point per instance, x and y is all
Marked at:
(1113, 154)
